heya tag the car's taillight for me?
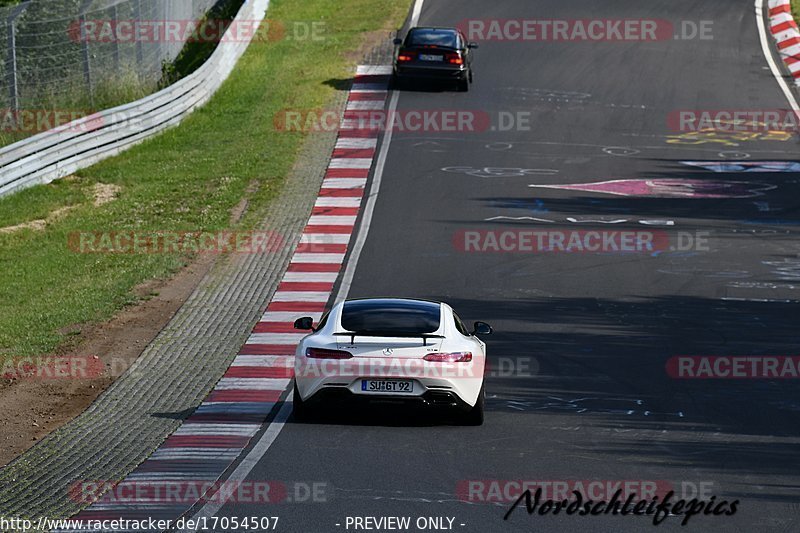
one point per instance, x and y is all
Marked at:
(404, 56)
(456, 357)
(322, 353)
(454, 59)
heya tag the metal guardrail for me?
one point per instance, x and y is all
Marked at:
(59, 152)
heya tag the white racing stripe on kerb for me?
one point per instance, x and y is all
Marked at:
(791, 51)
(239, 430)
(264, 361)
(275, 427)
(291, 316)
(275, 338)
(376, 70)
(318, 258)
(301, 296)
(155, 477)
(357, 143)
(365, 105)
(344, 183)
(331, 220)
(780, 18)
(311, 277)
(328, 201)
(318, 238)
(362, 123)
(276, 384)
(785, 35)
(171, 476)
(167, 454)
(351, 163)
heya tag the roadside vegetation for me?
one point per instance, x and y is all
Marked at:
(121, 86)
(188, 179)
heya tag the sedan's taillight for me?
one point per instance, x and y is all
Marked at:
(403, 57)
(456, 357)
(454, 58)
(322, 353)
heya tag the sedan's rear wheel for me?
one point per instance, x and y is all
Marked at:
(475, 416)
(463, 85)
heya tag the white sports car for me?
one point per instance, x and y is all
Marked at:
(391, 350)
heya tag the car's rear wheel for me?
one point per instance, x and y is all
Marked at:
(475, 415)
(463, 85)
(300, 408)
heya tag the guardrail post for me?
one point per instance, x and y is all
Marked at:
(11, 65)
(114, 40)
(137, 16)
(87, 59)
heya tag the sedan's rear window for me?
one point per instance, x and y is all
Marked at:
(391, 316)
(425, 37)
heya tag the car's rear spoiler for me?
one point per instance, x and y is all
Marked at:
(423, 336)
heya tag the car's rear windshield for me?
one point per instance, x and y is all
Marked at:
(432, 37)
(407, 317)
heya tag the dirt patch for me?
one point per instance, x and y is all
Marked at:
(103, 193)
(238, 212)
(32, 407)
(38, 224)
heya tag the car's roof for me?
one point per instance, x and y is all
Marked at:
(404, 302)
(433, 28)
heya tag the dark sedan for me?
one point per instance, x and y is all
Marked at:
(434, 54)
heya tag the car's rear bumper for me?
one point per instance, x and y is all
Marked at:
(430, 399)
(461, 380)
(430, 72)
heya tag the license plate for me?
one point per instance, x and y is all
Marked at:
(387, 385)
(430, 57)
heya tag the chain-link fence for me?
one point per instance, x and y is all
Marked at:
(89, 53)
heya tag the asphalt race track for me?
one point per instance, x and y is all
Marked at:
(580, 388)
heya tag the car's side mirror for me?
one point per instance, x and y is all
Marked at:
(482, 328)
(398, 41)
(305, 323)
(473, 45)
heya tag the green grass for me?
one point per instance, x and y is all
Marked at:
(187, 179)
